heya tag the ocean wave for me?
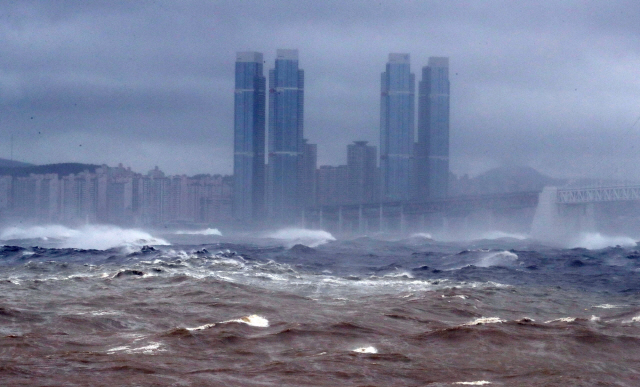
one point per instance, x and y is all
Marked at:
(295, 236)
(485, 320)
(98, 237)
(497, 258)
(253, 320)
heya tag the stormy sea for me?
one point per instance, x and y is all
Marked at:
(105, 306)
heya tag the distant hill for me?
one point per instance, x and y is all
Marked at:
(62, 169)
(4, 163)
(504, 180)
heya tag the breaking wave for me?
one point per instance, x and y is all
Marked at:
(99, 237)
(294, 236)
(497, 258)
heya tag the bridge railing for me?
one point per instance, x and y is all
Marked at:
(600, 194)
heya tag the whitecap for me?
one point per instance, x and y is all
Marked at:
(478, 383)
(608, 306)
(202, 327)
(369, 349)
(253, 320)
(99, 237)
(103, 312)
(398, 274)
(147, 349)
(486, 320)
(563, 319)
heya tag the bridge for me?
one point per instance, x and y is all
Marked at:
(552, 214)
(598, 194)
(414, 215)
(564, 213)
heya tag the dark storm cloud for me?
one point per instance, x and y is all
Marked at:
(551, 84)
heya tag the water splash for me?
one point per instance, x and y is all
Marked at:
(294, 236)
(208, 231)
(497, 258)
(100, 237)
(595, 241)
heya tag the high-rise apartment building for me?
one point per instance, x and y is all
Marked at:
(249, 137)
(397, 103)
(362, 169)
(432, 154)
(286, 105)
(309, 186)
(333, 185)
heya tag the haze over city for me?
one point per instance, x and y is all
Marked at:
(552, 85)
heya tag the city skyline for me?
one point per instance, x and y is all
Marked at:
(408, 170)
(551, 85)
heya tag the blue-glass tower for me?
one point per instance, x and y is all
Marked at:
(286, 105)
(249, 137)
(433, 130)
(397, 103)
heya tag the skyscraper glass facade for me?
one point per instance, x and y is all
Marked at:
(362, 169)
(397, 103)
(433, 130)
(286, 105)
(249, 137)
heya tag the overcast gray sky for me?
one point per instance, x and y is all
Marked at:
(550, 84)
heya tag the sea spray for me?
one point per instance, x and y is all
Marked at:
(595, 241)
(208, 231)
(100, 237)
(294, 236)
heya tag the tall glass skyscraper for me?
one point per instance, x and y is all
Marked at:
(286, 105)
(249, 137)
(433, 130)
(397, 103)
(362, 169)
